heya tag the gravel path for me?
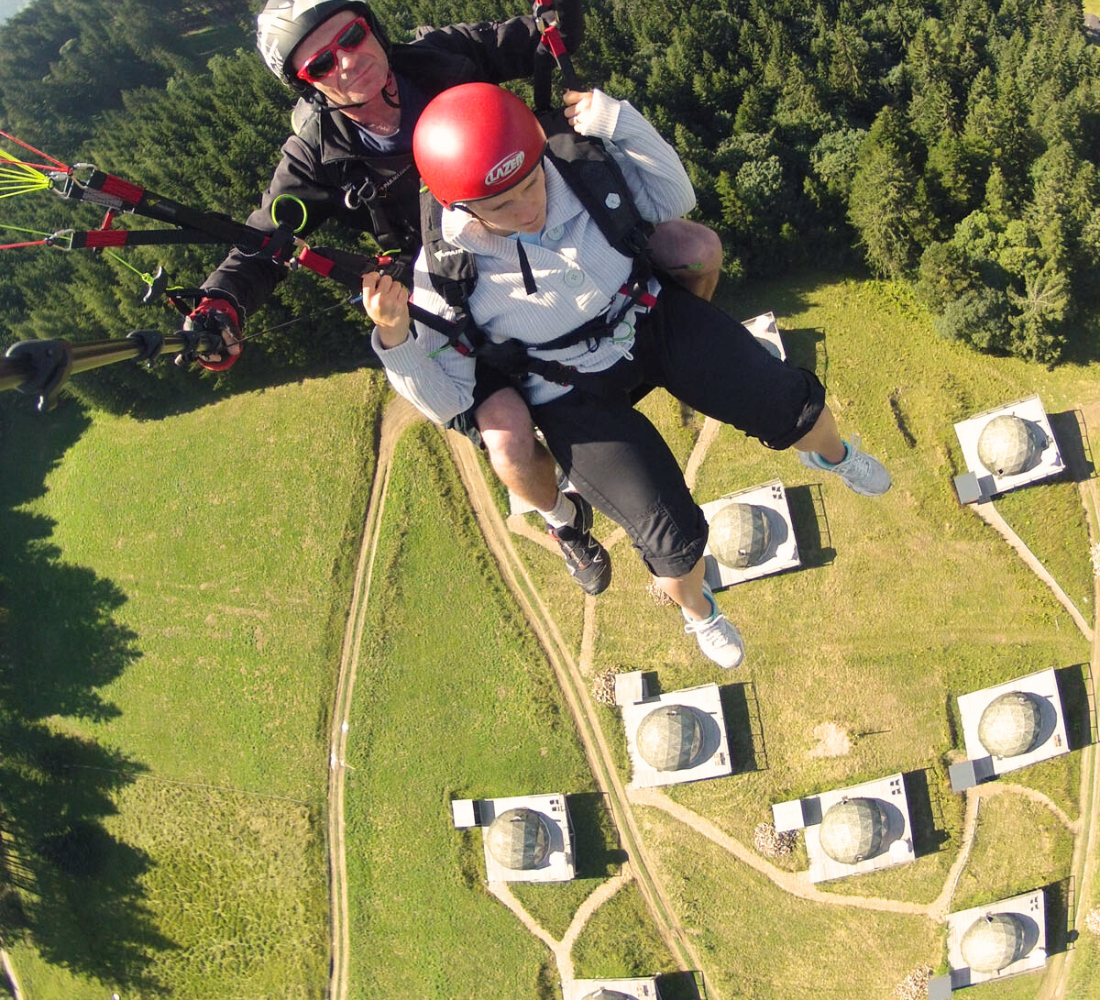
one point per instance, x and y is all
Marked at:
(563, 949)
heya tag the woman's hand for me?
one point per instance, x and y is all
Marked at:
(387, 303)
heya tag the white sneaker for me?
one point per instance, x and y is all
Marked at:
(717, 637)
(863, 474)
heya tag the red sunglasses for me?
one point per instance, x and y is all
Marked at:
(323, 61)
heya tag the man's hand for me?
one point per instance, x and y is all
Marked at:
(578, 109)
(387, 303)
(216, 316)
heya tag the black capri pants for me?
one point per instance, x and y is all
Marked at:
(618, 459)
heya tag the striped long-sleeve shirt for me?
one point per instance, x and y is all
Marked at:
(577, 273)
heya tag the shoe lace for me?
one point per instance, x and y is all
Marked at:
(580, 544)
(710, 629)
(856, 459)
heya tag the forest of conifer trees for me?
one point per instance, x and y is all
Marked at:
(949, 145)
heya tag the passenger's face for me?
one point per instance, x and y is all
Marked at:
(520, 209)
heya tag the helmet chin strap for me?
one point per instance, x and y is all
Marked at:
(391, 101)
(326, 108)
(395, 100)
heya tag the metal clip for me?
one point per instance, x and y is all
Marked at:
(546, 16)
(356, 197)
(62, 239)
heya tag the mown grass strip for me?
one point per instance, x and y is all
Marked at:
(454, 698)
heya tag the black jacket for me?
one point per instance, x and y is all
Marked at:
(325, 166)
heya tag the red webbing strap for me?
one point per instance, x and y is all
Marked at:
(551, 36)
(315, 262)
(554, 43)
(96, 239)
(100, 238)
(116, 187)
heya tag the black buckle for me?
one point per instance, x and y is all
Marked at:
(47, 364)
(559, 374)
(509, 357)
(150, 342)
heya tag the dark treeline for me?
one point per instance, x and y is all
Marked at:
(950, 144)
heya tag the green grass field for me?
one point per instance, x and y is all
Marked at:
(1051, 521)
(454, 699)
(194, 575)
(1019, 847)
(902, 604)
(199, 568)
(761, 943)
(620, 941)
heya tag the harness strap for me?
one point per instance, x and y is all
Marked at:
(511, 356)
(525, 271)
(552, 46)
(365, 194)
(97, 239)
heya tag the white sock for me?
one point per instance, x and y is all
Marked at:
(562, 514)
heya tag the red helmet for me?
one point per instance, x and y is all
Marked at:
(474, 141)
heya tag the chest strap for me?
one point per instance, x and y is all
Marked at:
(513, 357)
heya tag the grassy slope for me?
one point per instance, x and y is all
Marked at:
(228, 533)
(1042, 517)
(960, 612)
(620, 941)
(761, 944)
(454, 699)
(1019, 847)
(903, 603)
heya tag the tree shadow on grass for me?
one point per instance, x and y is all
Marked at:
(74, 889)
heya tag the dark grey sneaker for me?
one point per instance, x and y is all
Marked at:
(586, 559)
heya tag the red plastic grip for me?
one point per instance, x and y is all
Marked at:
(315, 262)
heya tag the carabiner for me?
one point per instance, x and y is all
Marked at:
(63, 235)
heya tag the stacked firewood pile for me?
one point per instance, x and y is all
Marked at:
(603, 688)
(771, 843)
(914, 986)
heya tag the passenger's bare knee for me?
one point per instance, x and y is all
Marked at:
(506, 428)
(710, 249)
